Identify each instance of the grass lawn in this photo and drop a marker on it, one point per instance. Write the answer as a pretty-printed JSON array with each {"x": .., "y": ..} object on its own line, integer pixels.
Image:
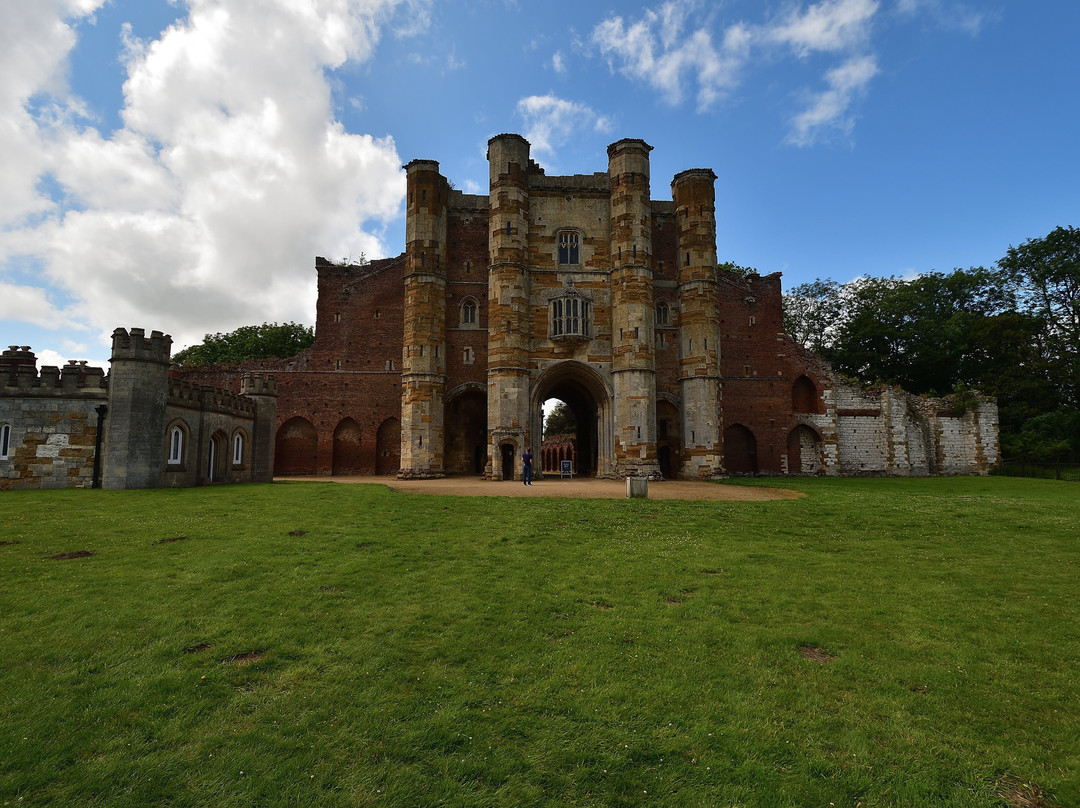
[{"x": 879, "y": 642}]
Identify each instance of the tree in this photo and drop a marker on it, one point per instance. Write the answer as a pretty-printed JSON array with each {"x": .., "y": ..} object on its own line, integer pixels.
[
  {"x": 266, "y": 341},
  {"x": 812, "y": 312},
  {"x": 1046, "y": 275},
  {"x": 560, "y": 421}
]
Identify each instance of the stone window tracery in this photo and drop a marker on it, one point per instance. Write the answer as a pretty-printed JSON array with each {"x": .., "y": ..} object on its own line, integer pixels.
[
  {"x": 468, "y": 317},
  {"x": 663, "y": 314},
  {"x": 570, "y": 316},
  {"x": 238, "y": 449},
  {"x": 568, "y": 248}
]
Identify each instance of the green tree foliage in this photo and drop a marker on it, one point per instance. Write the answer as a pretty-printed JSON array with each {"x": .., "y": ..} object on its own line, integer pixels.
[
  {"x": 560, "y": 421},
  {"x": 266, "y": 341},
  {"x": 1046, "y": 275}
]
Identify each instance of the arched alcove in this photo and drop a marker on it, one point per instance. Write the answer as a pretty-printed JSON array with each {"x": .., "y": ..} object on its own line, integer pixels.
[{"x": 295, "y": 447}]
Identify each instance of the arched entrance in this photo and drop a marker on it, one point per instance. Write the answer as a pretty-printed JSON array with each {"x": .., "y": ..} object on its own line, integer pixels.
[
  {"x": 216, "y": 457},
  {"x": 465, "y": 423},
  {"x": 347, "y": 448},
  {"x": 740, "y": 450},
  {"x": 388, "y": 447},
  {"x": 668, "y": 431},
  {"x": 294, "y": 448},
  {"x": 804, "y": 451},
  {"x": 588, "y": 396}
]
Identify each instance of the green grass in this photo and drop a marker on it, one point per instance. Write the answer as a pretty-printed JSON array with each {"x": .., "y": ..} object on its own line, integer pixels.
[{"x": 418, "y": 650}]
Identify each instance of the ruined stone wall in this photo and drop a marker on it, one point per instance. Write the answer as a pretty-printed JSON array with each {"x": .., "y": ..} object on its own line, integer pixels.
[{"x": 52, "y": 420}]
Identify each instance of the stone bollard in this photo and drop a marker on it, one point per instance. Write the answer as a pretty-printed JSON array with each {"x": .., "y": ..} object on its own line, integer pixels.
[{"x": 637, "y": 487}]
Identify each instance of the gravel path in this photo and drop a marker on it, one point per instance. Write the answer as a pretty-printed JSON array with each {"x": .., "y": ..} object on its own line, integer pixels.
[{"x": 582, "y": 488}]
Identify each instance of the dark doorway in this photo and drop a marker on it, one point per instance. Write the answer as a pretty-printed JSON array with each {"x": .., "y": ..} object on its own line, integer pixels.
[
  {"x": 466, "y": 432},
  {"x": 507, "y": 451},
  {"x": 388, "y": 447},
  {"x": 740, "y": 450}
]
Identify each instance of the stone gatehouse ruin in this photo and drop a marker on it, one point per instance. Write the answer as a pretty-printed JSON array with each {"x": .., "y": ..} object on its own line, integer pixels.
[{"x": 586, "y": 289}]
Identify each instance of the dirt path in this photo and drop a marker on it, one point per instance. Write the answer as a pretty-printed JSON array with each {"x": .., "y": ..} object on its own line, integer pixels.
[{"x": 583, "y": 488}]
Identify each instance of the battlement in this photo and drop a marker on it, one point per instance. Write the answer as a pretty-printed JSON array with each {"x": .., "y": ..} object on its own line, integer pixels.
[
  {"x": 209, "y": 399},
  {"x": 134, "y": 345},
  {"x": 19, "y": 376},
  {"x": 258, "y": 384}
]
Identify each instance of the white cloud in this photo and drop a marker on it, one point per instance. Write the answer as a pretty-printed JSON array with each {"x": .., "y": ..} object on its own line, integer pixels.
[
  {"x": 558, "y": 63},
  {"x": 205, "y": 210},
  {"x": 828, "y": 109},
  {"x": 833, "y": 25},
  {"x": 952, "y": 16},
  {"x": 656, "y": 50},
  {"x": 31, "y": 305},
  {"x": 551, "y": 122}
]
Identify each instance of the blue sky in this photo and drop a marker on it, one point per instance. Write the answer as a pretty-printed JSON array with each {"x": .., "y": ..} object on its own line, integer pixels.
[{"x": 177, "y": 165}]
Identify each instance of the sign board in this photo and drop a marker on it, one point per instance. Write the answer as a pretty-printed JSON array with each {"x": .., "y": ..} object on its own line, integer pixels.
[{"x": 566, "y": 468}]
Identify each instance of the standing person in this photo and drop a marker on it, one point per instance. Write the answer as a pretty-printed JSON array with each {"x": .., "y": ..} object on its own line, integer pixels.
[{"x": 526, "y": 462}]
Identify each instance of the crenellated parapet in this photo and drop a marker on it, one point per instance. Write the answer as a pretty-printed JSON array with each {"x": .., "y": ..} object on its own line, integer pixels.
[
  {"x": 188, "y": 395},
  {"x": 19, "y": 376},
  {"x": 135, "y": 345},
  {"x": 258, "y": 384}
]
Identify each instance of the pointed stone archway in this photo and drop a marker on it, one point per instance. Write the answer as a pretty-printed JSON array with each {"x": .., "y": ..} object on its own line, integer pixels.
[
  {"x": 589, "y": 397},
  {"x": 465, "y": 427}
]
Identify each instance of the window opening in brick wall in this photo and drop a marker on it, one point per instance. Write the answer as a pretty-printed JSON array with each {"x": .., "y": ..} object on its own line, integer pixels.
[
  {"x": 337, "y": 317},
  {"x": 746, "y": 370},
  {"x": 661, "y": 340},
  {"x": 5, "y": 440},
  {"x": 753, "y": 319},
  {"x": 508, "y": 228},
  {"x": 468, "y": 313},
  {"x": 337, "y": 364},
  {"x": 467, "y": 356},
  {"x": 377, "y": 314},
  {"x": 663, "y": 313},
  {"x": 423, "y": 196},
  {"x": 568, "y": 248},
  {"x": 421, "y": 349}
]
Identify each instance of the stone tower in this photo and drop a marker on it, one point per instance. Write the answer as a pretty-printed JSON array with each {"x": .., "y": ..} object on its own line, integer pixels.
[
  {"x": 138, "y": 393},
  {"x": 262, "y": 389},
  {"x": 423, "y": 361},
  {"x": 699, "y": 323},
  {"x": 633, "y": 361},
  {"x": 508, "y": 301}
]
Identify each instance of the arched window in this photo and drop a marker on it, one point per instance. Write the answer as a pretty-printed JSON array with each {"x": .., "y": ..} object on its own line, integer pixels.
[
  {"x": 467, "y": 311},
  {"x": 663, "y": 314},
  {"x": 5, "y": 440},
  {"x": 238, "y": 449},
  {"x": 568, "y": 248},
  {"x": 176, "y": 445}
]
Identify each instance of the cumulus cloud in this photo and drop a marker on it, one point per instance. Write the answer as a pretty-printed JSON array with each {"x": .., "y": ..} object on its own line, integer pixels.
[
  {"x": 829, "y": 109},
  {"x": 834, "y": 25},
  {"x": 204, "y": 210},
  {"x": 672, "y": 48},
  {"x": 550, "y": 121},
  {"x": 658, "y": 50}
]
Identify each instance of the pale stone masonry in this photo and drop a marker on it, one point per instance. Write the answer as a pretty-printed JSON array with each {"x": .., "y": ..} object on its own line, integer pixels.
[{"x": 136, "y": 427}]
